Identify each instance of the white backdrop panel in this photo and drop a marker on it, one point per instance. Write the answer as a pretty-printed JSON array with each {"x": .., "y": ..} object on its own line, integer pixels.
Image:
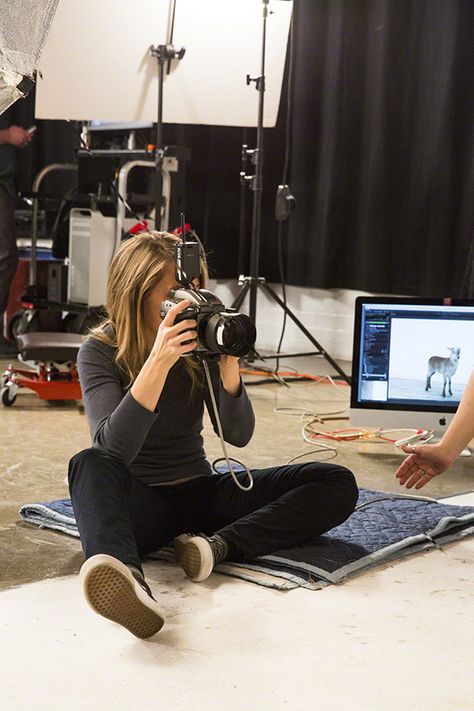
[{"x": 96, "y": 62}]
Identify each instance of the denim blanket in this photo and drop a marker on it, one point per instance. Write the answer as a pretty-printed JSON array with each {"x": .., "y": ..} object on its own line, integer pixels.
[
  {"x": 58, "y": 515},
  {"x": 381, "y": 530}
]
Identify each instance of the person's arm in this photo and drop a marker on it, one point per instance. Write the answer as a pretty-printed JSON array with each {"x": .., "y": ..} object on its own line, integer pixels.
[
  {"x": 15, "y": 136},
  {"x": 166, "y": 350},
  {"x": 429, "y": 460},
  {"x": 120, "y": 424},
  {"x": 461, "y": 429},
  {"x": 233, "y": 404},
  {"x": 230, "y": 375}
]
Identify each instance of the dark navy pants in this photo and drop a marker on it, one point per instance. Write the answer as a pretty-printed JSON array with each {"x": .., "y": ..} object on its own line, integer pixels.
[
  {"x": 119, "y": 515},
  {"x": 8, "y": 249}
]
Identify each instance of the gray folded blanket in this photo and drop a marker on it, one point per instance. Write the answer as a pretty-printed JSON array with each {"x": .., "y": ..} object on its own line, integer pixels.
[{"x": 380, "y": 530}]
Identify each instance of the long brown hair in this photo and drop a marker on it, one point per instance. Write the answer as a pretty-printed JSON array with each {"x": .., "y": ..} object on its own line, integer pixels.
[{"x": 137, "y": 267}]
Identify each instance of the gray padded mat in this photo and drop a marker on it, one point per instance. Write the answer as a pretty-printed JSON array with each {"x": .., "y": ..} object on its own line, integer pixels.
[
  {"x": 376, "y": 533},
  {"x": 379, "y": 532}
]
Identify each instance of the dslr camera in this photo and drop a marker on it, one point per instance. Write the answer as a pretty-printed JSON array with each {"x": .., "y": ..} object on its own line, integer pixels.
[{"x": 219, "y": 329}]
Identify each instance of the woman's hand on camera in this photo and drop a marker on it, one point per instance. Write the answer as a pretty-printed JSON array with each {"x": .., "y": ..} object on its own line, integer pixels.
[
  {"x": 166, "y": 350},
  {"x": 230, "y": 374},
  {"x": 172, "y": 339}
]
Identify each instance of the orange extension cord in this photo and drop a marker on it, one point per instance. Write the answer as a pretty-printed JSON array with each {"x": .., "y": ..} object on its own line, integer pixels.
[{"x": 291, "y": 374}]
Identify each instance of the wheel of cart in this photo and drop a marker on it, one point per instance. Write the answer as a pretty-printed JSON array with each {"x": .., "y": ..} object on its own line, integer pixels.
[
  {"x": 9, "y": 392},
  {"x": 26, "y": 320}
]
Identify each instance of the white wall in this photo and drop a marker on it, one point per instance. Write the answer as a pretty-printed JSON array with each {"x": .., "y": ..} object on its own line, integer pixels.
[{"x": 328, "y": 314}]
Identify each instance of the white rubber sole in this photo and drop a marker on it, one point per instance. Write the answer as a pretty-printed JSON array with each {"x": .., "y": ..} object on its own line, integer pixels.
[
  {"x": 111, "y": 591},
  {"x": 195, "y": 556}
]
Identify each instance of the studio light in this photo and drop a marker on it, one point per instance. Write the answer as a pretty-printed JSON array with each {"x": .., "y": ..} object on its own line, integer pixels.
[{"x": 24, "y": 26}]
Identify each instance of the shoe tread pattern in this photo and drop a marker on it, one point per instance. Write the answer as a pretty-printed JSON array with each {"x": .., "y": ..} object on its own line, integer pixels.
[
  {"x": 113, "y": 596},
  {"x": 190, "y": 560}
]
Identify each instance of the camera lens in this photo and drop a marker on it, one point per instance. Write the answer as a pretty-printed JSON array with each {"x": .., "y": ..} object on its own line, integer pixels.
[{"x": 233, "y": 334}]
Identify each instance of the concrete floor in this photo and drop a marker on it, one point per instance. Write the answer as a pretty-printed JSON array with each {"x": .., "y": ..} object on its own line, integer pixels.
[{"x": 37, "y": 440}]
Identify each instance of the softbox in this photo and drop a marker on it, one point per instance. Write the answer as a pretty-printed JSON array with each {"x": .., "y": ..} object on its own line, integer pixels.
[{"x": 24, "y": 25}]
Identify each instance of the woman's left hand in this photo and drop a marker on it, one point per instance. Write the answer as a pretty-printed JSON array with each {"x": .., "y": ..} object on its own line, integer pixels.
[
  {"x": 424, "y": 463},
  {"x": 230, "y": 374}
]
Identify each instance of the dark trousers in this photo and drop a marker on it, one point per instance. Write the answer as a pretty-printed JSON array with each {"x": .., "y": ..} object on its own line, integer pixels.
[
  {"x": 8, "y": 249},
  {"x": 119, "y": 515}
]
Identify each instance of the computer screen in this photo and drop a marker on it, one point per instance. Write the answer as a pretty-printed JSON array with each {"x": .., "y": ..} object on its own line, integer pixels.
[{"x": 412, "y": 359}]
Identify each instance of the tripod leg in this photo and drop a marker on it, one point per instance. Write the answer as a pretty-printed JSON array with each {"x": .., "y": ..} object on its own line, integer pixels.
[
  {"x": 275, "y": 297},
  {"x": 240, "y": 298}
]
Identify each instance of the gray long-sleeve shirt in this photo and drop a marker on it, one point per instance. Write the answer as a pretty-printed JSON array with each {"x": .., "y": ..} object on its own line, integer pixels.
[{"x": 164, "y": 446}]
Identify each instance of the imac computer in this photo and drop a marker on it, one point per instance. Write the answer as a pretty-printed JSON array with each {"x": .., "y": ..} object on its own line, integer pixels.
[{"x": 412, "y": 359}]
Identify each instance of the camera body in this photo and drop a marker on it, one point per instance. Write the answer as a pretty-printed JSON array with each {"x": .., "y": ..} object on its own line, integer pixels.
[{"x": 219, "y": 330}]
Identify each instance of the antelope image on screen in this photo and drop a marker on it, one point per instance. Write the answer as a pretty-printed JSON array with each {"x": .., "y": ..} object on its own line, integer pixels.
[{"x": 445, "y": 366}]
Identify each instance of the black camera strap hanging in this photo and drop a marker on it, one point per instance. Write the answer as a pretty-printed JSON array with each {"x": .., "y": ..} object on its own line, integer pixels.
[{"x": 285, "y": 202}]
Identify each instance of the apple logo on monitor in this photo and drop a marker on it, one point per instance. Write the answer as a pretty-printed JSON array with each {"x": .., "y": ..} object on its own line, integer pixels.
[{"x": 442, "y": 421}]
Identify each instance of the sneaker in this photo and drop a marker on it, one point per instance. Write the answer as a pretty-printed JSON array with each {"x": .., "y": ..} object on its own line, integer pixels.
[
  {"x": 199, "y": 554},
  {"x": 114, "y": 592}
]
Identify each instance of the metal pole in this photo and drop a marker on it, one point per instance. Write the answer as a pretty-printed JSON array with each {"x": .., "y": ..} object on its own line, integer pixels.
[
  {"x": 159, "y": 143},
  {"x": 34, "y": 223},
  {"x": 161, "y": 54},
  {"x": 257, "y": 181}
]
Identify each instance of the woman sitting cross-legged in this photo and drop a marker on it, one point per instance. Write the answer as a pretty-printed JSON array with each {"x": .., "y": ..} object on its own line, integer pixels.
[{"x": 146, "y": 481}]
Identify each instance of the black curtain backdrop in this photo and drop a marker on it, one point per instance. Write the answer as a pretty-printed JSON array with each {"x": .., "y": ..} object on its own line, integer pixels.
[{"x": 381, "y": 153}]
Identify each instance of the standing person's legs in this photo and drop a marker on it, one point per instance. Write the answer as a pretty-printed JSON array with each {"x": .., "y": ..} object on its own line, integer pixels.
[
  {"x": 118, "y": 517},
  {"x": 287, "y": 505},
  {"x": 8, "y": 249}
]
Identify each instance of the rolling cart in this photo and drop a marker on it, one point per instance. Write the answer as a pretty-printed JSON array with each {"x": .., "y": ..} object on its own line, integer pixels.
[
  {"x": 48, "y": 351},
  {"x": 94, "y": 238}
]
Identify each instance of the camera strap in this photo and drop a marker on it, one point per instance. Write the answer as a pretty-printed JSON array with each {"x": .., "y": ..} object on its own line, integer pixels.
[{"x": 228, "y": 459}]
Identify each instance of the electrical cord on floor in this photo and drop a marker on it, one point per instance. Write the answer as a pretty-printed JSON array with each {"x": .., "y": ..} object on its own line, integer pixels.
[
  {"x": 391, "y": 497},
  {"x": 276, "y": 379},
  {"x": 286, "y": 377},
  {"x": 302, "y": 414},
  {"x": 323, "y": 448},
  {"x": 226, "y": 457},
  {"x": 309, "y": 417},
  {"x": 247, "y": 369},
  {"x": 339, "y": 435}
]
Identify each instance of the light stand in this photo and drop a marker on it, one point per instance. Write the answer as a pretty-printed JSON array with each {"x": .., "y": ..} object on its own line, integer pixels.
[
  {"x": 162, "y": 53},
  {"x": 250, "y": 284}
]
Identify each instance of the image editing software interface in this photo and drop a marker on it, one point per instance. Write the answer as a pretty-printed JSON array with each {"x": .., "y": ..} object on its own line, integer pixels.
[{"x": 411, "y": 354}]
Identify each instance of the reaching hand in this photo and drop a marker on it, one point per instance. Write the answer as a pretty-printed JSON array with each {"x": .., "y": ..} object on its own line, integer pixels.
[
  {"x": 18, "y": 136},
  {"x": 173, "y": 340},
  {"x": 424, "y": 463}
]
